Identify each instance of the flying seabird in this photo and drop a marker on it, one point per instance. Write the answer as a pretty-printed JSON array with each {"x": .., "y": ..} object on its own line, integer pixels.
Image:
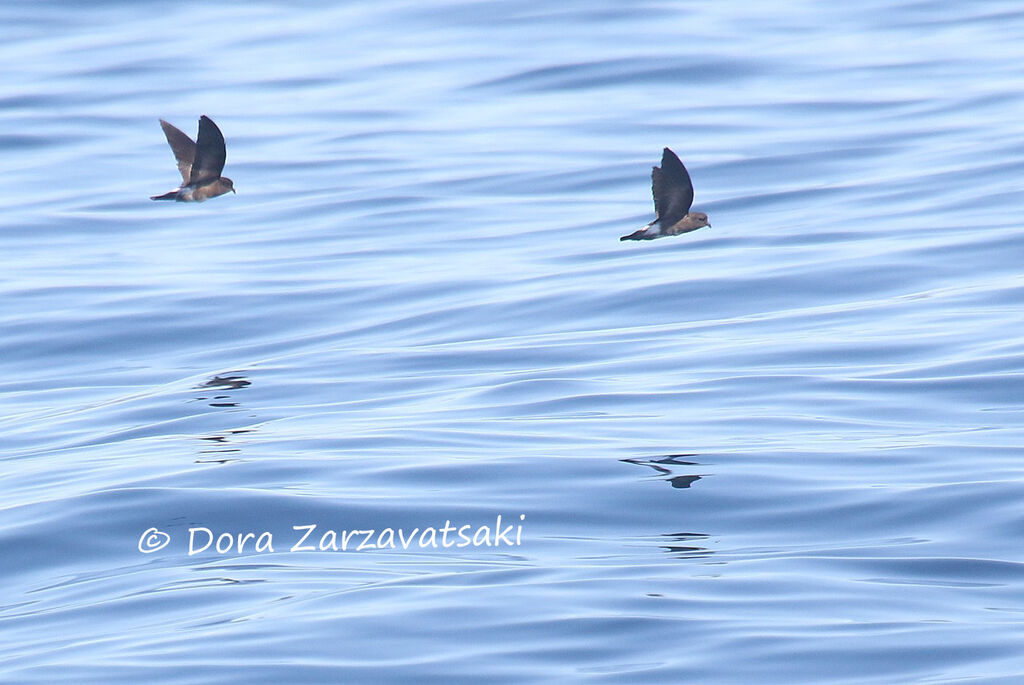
[
  {"x": 673, "y": 195},
  {"x": 200, "y": 164}
]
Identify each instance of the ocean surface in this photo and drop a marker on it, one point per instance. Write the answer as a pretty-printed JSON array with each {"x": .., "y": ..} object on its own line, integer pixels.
[{"x": 405, "y": 409}]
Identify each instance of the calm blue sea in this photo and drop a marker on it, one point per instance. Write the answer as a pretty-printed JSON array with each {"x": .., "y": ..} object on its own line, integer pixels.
[{"x": 268, "y": 438}]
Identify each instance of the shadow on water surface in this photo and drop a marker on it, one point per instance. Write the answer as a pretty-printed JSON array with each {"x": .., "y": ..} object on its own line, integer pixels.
[
  {"x": 222, "y": 443},
  {"x": 663, "y": 466},
  {"x": 226, "y": 382},
  {"x": 675, "y": 544}
]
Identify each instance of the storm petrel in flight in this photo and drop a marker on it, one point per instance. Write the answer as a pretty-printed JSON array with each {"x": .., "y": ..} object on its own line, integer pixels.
[
  {"x": 673, "y": 195},
  {"x": 200, "y": 164}
]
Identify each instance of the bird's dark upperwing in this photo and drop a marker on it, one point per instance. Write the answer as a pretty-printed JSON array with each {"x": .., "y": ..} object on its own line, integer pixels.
[
  {"x": 182, "y": 146},
  {"x": 210, "y": 152},
  {"x": 673, "y": 190}
]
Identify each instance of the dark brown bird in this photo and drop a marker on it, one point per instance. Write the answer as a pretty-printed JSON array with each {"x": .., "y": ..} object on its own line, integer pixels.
[
  {"x": 200, "y": 164},
  {"x": 673, "y": 195}
]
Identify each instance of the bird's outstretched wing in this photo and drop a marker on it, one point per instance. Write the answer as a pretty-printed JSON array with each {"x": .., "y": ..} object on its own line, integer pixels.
[
  {"x": 672, "y": 188},
  {"x": 182, "y": 146},
  {"x": 210, "y": 152}
]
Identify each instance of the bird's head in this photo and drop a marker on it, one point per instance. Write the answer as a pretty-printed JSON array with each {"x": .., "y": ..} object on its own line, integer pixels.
[{"x": 700, "y": 219}]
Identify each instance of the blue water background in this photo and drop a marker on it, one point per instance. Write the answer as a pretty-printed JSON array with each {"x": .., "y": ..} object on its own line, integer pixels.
[{"x": 783, "y": 449}]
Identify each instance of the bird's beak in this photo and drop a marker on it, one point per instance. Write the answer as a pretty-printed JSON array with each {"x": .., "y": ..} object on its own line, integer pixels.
[{"x": 233, "y": 191}]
